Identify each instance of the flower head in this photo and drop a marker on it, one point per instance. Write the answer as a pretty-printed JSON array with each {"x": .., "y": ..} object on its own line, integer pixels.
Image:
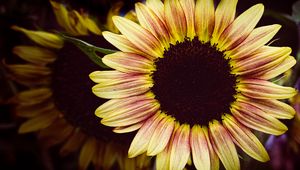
[
  {"x": 193, "y": 80},
  {"x": 50, "y": 105}
]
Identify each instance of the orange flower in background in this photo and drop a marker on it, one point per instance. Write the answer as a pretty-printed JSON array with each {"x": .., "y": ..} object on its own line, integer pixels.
[
  {"x": 194, "y": 80},
  {"x": 53, "y": 71}
]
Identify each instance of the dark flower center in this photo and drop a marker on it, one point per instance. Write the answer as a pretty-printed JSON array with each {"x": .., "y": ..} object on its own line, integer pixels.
[
  {"x": 72, "y": 90},
  {"x": 193, "y": 82}
]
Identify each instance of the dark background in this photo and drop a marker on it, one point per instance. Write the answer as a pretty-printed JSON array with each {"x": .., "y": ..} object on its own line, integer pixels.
[{"x": 23, "y": 151}]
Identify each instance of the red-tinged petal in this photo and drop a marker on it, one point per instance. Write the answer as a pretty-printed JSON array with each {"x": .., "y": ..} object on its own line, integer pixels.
[
  {"x": 224, "y": 15},
  {"x": 175, "y": 20},
  {"x": 119, "y": 106},
  {"x": 262, "y": 59},
  {"x": 123, "y": 44},
  {"x": 272, "y": 72},
  {"x": 139, "y": 36},
  {"x": 262, "y": 89},
  {"x": 223, "y": 145},
  {"x": 128, "y": 63},
  {"x": 131, "y": 117},
  {"x": 188, "y": 7},
  {"x": 200, "y": 148},
  {"x": 158, "y": 7},
  {"x": 180, "y": 151},
  {"x": 161, "y": 136},
  {"x": 214, "y": 159},
  {"x": 245, "y": 139},
  {"x": 240, "y": 28},
  {"x": 272, "y": 107},
  {"x": 256, "y": 39},
  {"x": 120, "y": 88},
  {"x": 149, "y": 20},
  {"x": 257, "y": 119},
  {"x": 204, "y": 19},
  {"x": 141, "y": 140}
]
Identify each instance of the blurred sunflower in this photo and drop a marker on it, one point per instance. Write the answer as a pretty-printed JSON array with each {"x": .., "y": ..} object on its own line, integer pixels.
[
  {"x": 194, "y": 81},
  {"x": 58, "y": 103}
]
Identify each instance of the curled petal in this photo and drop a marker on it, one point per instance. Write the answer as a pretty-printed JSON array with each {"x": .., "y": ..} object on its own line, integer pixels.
[
  {"x": 256, "y": 39},
  {"x": 272, "y": 72},
  {"x": 262, "y": 89}
]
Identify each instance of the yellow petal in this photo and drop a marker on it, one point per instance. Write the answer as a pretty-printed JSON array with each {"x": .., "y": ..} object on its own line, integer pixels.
[
  {"x": 180, "y": 151},
  {"x": 45, "y": 39},
  {"x": 257, "y": 119},
  {"x": 38, "y": 123},
  {"x": 272, "y": 107},
  {"x": 199, "y": 147},
  {"x": 126, "y": 129},
  {"x": 272, "y": 72},
  {"x": 129, "y": 63},
  {"x": 240, "y": 28},
  {"x": 132, "y": 86},
  {"x": 140, "y": 37},
  {"x": 149, "y": 20},
  {"x": 35, "y": 55},
  {"x": 223, "y": 145},
  {"x": 204, "y": 19},
  {"x": 161, "y": 136},
  {"x": 262, "y": 89},
  {"x": 158, "y": 7},
  {"x": 123, "y": 44},
  {"x": 33, "y": 96},
  {"x": 188, "y": 7},
  {"x": 141, "y": 140},
  {"x": 245, "y": 139},
  {"x": 175, "y": 20},
  {"x": 87, "y": 153},
  {"x": 29, "y": 111},
  {"x": 224, "y": 15},
  {"x": 256, "y": 39}
]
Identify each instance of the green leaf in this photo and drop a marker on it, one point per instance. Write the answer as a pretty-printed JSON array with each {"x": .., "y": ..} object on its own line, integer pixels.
[{"x": 89, "y": 49}]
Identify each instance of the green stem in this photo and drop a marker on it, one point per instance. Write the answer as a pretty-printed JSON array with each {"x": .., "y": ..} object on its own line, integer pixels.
[{"x": 89, "y": 49}]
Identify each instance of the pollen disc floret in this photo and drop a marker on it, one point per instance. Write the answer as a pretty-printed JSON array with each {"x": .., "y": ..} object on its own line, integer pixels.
[
  {"x": 193, "y": 80},
  {"x": 193, "y": 83}
]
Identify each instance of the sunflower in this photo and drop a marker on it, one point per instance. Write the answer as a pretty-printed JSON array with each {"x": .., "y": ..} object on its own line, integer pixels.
[
  {"x": 49, "y": 104},
  {"x": 194, "y": 81}
]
